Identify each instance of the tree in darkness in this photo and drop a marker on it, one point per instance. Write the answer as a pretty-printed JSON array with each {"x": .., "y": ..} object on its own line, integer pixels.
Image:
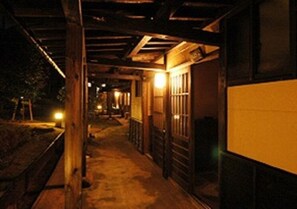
[{"x": 23, "y": 71}]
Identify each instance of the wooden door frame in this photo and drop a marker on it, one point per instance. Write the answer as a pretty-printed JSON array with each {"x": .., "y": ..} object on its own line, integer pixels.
[{"x": 189, "y": 122}]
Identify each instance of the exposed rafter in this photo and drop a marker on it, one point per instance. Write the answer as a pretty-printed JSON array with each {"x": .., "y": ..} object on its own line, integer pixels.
[
  {"x": 123, "y": 1},
  {"x": 126, "y": 64},
  {"x": 137, "y": 46},
  {"x": 167, "y": 10},
  {"x": 121, "y": 24},
  {"x": 35, "y": 12},
  {"x": 135, "y": 30},
  {"x": 206, "y": 4},
  {"x": 114, "y": 76}
]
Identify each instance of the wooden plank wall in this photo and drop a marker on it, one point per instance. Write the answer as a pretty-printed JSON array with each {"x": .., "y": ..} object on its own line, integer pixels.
[
  {"x": 180, "y": 162},
  {"x": 135, "y": 134},
  {"x": 249, "y": 185},
  {"x": 158, "y": 146}
]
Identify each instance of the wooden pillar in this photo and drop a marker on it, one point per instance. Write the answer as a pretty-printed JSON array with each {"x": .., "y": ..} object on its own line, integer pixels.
[
  {"x": 85, "y": 110},
  {"x": 74, "y": 116},
  {"x": 85, "y": 121},
  {"x": 167, "y": 128},
  {"x": 145, "y": 120}
]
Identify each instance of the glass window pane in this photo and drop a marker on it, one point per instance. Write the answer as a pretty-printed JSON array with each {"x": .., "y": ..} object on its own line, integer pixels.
[{"x": 274, "y": 36}]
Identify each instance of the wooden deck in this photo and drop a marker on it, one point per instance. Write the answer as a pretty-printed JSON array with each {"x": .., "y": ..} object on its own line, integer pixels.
[{"x": 121, "y": 178}]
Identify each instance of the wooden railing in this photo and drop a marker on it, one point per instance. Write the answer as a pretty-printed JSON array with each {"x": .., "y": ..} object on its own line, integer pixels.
[{"x": 20, "y": 191}]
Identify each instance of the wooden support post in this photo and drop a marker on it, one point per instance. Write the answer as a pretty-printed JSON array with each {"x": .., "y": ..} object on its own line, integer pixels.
[
  {"x": 74, "y": 116},
  {"x": 30, "y": 109},
  {"x": 85, "y": 121},
  {"x": 145, "y": 119},
  {"x": 85, "y": 109},
  {"x": 167, "y": 127}
]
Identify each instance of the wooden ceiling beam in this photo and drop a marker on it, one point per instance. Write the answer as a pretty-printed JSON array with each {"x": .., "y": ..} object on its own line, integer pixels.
[
  {"x": 49, "y": 25},
  {"x": 167, "y": 10},
  {"x": 150, "y": 28},
  {"x": 206, "y": 4},
  {"x": 107, "y": 37},
  {"x": 184, "y": 20},
  {"x": 122, "y": 1},
  {"x": 37, "y": 12},
  {"x": 136, "y": 47},
  {"x": 105, "y": 44},
  {"x": 126, "y": 64},
  {"x": 93, "y": 74},
  {"x": 106, "y": 50},
  {"x": 162, "y": 43}
]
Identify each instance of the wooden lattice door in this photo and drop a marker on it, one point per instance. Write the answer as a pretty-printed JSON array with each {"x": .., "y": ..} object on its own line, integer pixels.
[{"x": 180, "y": 162}]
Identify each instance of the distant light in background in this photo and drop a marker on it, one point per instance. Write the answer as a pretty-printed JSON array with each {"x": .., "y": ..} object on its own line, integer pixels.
[
  {"x": 99, "y": 107},
  {"x": 58, "y": 115},
  {"x": 176, "y": 117},
  {"x": 59, "y": 122},
  {"x": 103, "y": 84},
  {"x": 160, "y": 80},
  {"x": 89, "y": 84},
  {"x": 117, "y": 93}
]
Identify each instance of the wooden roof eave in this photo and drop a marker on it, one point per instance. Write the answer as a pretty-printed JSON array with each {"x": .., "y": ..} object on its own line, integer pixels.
[{"x": 31, "y": 39}]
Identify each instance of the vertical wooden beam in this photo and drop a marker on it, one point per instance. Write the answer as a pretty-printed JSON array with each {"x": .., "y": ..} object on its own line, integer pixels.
[
  {"x": 145, "y": 119},
  {"x": 191, "y": 134},
  {"x": 85, "y": 110},
  {"x": 167, "y": 123},
  {"x": 167, "y": 127},
  {"x": 74, "y": 115},
  {"x": 85, "y": 120}
]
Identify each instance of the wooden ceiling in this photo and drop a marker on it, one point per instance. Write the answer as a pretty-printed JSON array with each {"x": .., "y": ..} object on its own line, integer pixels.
[{"x": 121, "y": 36}]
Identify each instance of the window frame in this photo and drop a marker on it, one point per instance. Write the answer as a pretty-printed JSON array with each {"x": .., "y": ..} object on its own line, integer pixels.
[{"x": 254, "y": 76}]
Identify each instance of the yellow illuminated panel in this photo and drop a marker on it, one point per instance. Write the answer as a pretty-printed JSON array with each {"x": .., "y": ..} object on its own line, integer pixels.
[
  {"x": 262, "y": 123},
  {"x": 136, "y": 107}
]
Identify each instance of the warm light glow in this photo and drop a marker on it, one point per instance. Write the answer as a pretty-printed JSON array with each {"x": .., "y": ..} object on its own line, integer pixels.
[
  {"x": 103, "y": 84},
  {"x": 160, "y": 80},
  {"x": 89, "y": 84},
  {"x": 117, "y": 93},
  {"x": 176, "y": 117},
  {"x": 99, "y": 107},
  {"x": 58, "y": 115}
]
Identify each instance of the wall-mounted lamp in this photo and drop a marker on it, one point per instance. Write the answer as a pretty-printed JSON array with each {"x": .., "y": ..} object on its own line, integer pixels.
[{"x": 160, "y": 80}]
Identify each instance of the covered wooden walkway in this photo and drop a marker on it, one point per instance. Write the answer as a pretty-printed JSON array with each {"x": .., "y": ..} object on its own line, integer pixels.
[{"x": 121, "y": 178}]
